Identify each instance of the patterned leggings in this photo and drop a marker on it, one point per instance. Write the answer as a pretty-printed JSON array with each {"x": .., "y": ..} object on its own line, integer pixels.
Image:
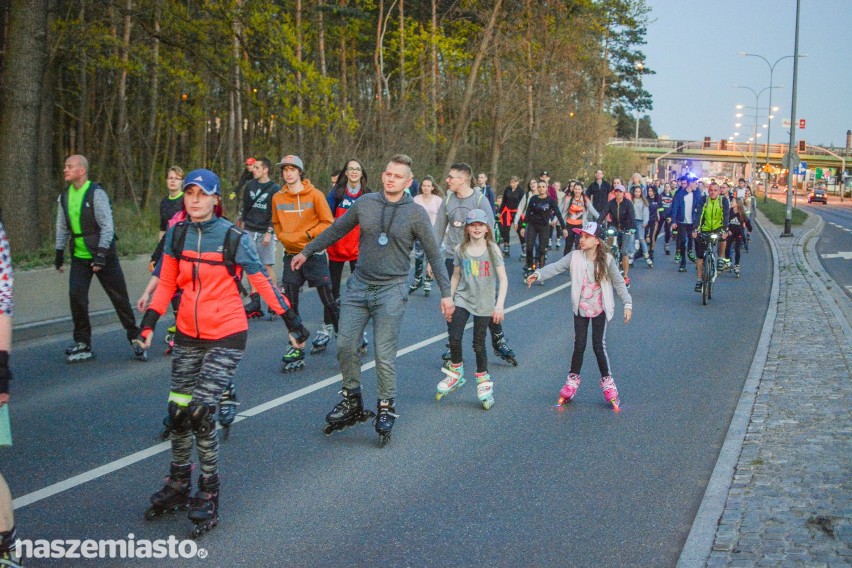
[{"x": 202, "y": 373}]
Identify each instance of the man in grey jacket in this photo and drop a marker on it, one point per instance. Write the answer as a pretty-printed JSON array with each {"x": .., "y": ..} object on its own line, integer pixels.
[
  {"x": 390, "y": 221},
  {"x": 84, "y": 217}
]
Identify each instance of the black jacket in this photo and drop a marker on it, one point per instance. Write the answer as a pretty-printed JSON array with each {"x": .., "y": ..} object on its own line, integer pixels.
[{"x": 622, "y": 215}]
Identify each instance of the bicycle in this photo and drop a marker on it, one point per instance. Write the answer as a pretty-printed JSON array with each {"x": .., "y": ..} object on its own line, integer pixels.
[
  {"x": 708, "y": 273},
  {"x": 614, "y": 238}
]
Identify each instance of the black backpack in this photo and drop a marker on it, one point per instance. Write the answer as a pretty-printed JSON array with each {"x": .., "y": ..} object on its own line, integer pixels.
[{"x": 229, "y": 252}]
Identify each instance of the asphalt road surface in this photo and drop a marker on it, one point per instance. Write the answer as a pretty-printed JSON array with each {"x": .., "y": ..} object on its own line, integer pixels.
[
  {"x": 525, "y": 483},
  {"x": 835, "y": 242}
]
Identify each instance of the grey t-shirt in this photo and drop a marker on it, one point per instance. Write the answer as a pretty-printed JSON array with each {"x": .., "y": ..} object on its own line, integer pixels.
[
  {"x": 477, "y": 289},
  {"x": 452, "y": 215}
]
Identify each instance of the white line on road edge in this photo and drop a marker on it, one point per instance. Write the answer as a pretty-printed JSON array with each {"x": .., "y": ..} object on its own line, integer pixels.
[{"x": 126, "y": 461}]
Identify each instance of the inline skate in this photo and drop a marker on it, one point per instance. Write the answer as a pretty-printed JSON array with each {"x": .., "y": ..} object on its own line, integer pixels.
[
  {"x": 453, "y": 381},
  {"x": 348, "y": 412},
  {"x": 174, "y": 496},
  {"x": 427, "y": 286},
  {"x": 502, "y": 349},
  {"x": 138, "y": 351},
  {"x": 8, "y": 555},
  {"x": 170, "y": 339},
  {"x": 569, "y": 389},
  {"x": 204, "y": 506},
  {"x": 484, "y": 390},
  {"x": 385, "y": 416},
  {"x": 610, "y": 393},
  {"x": 322, "y": 338},
  {"x": 253, "y": 308},
  {"x": 293, "y": 360},
  {"x": 228, "y": 409}
]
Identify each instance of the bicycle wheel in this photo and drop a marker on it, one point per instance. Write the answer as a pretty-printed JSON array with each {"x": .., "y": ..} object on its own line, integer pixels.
[{"x": 706, "y": 279}]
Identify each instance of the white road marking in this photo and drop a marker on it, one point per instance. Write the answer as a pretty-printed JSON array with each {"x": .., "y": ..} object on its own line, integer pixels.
[
  {"x": 844, "y": 254},
  {"x": 128, "y": 460}
]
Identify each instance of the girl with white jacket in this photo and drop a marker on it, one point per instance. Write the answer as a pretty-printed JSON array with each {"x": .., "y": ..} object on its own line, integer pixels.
[{"x": 594, "y": 275}]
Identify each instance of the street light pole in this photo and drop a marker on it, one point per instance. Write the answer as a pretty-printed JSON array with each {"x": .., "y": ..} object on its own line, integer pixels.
[
  {"x": 756, "y": 107},
  {"x": 639, "y": 67},
  {"x": 769, "y": 113},
  {"x": 788, "y": 218}
]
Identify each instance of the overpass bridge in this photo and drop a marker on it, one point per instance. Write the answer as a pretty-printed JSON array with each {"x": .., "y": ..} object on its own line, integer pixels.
[{"x": 734, "y": 152}]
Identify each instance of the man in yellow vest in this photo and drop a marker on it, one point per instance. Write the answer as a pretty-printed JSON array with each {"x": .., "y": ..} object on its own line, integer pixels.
[{"x": 84, "y": 217}]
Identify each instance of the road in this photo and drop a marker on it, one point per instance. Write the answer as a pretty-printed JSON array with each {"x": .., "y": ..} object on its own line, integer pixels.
[
  {"x": 835, "y": 241},
  {"x": 524, "y": 483}
]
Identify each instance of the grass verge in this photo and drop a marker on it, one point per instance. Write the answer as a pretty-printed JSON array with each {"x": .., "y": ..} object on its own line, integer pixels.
[
  {"x": 137, "y": 234},
  {"x": 776, "y": 212}
]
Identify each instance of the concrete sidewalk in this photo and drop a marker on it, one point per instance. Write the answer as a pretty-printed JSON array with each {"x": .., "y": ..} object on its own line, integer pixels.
[{"x": 780, "y": 492}]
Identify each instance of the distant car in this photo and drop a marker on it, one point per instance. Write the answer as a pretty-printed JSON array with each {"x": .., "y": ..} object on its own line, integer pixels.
[{"x": 817, "y": 195}]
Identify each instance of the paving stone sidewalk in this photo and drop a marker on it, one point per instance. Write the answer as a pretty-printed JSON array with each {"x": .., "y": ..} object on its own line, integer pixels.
[{"x": 789, "y": 502}]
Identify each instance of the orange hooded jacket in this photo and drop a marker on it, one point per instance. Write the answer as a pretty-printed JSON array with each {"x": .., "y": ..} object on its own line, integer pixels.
[{"x": 298, "y": 218}]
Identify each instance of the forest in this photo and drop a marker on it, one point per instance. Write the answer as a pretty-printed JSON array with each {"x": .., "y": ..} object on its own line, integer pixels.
[{"x": 508, "y": 86}]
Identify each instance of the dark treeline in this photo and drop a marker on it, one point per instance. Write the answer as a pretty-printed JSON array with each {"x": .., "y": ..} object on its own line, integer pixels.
[{"x": 139, "y": 85}]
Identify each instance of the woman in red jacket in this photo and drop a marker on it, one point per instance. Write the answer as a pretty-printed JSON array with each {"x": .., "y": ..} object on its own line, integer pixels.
[
  {"x": 202, "y": 256},
  {"x": 350, "y": 185}
]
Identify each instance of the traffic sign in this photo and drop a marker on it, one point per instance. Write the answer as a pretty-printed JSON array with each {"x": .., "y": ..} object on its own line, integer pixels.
[
  {"x": 790, "y": 158},
  {"x": 801, "y": 123},
  {"x": 801, "y": 169}
]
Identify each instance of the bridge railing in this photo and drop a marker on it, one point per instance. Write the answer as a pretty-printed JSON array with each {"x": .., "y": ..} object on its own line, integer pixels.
[{"x": 749, "y": 148}]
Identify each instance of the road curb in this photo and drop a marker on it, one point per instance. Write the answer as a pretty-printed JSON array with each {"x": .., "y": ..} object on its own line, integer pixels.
[{"x": 699, "y": 543}]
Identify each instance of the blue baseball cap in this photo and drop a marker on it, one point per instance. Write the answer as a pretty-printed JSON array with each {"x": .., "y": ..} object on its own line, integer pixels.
[
  {"x": 205, "y": 179},
  {"x": 476, "y": 216}
]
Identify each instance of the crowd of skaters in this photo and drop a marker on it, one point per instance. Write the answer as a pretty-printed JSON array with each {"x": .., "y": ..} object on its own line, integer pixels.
[{"x": 453, "y": 234}]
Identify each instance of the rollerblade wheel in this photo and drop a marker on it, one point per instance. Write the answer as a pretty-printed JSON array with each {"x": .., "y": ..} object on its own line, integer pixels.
[
  {"x": 201, "y": 529},
  {"x": 439, "y": 395},
  {"x": 616, "y": 405},
  {"x": 328, "y": 429}
]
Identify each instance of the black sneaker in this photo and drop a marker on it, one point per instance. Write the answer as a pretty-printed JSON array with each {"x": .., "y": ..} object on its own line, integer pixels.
[
  {"x": 78, "y": 353},
  {"x": 698, "y": 286}
]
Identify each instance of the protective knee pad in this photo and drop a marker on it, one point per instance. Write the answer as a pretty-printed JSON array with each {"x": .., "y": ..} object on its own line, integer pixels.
[
  {"x": 178, "y": 418},
  {"x": 292, "y": 293},
  {"x": 202, "y": 417}
]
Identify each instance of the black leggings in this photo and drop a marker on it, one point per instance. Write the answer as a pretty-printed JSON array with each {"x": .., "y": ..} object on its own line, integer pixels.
[
  {"x": 329, "y": 304},
  {"x": 456, "y": 330},
  {"x": 581, "y": 331},
  {"x": 335, "y": 269},
  {"x": 736, "y": 238},
  {"x": 570, "y": 240},
  {"x": 541, "y": 232}
]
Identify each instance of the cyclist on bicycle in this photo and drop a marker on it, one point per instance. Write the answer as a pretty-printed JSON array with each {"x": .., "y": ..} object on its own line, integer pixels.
[
  {"x": 712, "y": 217},
  {"x": 622, "y": 217}
]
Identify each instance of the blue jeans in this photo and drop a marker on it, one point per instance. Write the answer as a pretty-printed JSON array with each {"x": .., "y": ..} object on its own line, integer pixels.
[
  {"x": 385, "y": 305},
  {"x": 640, "y": 234}
]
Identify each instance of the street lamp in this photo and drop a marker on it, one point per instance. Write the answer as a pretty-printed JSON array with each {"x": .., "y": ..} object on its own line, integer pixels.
[
  {"x": 771, "y": 108},
  {"x": 639, "y": 67},
  {"x": 755, "y": 108}
]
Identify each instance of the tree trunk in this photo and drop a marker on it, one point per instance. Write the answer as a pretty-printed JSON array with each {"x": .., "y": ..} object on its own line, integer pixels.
[
  {"x": 529, "y": 85},
  {"x": 122, "y": 125},
  {"x": 300, "y": 103},
  {"x": 434, "y": 80},
  {"x": 152, "y": 138},
  {"x": 462, "y": 120},
  {"x": 24, "y": 65},
  {"x": 401, "y": 50},
  {"x": 45, "y": 179},
  {"x": 499, "y": 109},
  {"x": 83, "y": 112},
  {"x": 238, "y": 100}
]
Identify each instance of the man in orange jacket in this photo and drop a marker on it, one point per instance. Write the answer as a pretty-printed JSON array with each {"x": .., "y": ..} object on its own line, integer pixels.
[{"x": 300, "y": 213}]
